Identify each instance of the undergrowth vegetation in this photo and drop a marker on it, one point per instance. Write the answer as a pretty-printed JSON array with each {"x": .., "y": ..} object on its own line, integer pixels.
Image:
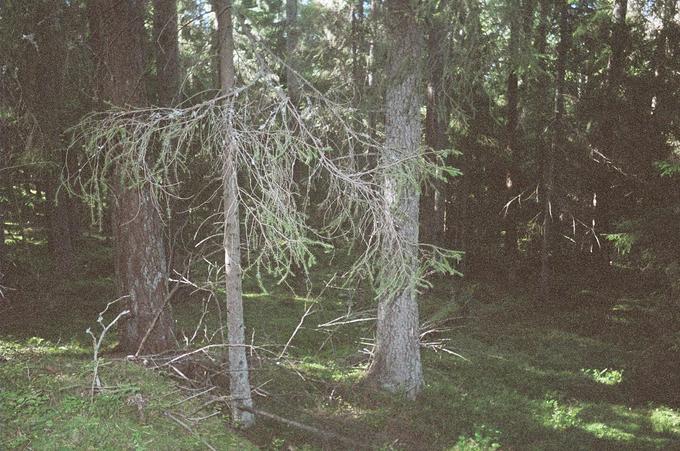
[{"x": 597, "y": 375}]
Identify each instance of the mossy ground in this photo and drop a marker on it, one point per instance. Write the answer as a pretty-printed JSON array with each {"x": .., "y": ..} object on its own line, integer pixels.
[{"x": 601, "y": 374}]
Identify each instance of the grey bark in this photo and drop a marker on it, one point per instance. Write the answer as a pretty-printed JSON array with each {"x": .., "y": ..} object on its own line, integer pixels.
[
  {"x": 238, "y": 364},
  {"x": 396, "y": 366}
]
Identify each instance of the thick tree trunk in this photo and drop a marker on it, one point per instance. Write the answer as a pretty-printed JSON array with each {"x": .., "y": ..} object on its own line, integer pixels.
[
  {"x": 238, "y": 363},
  {"x": 396, "y": 365},
  {"x": 143, "y": 254},
  {"x": 139, "y": 253},
  {"x": 547, "y": 249}
]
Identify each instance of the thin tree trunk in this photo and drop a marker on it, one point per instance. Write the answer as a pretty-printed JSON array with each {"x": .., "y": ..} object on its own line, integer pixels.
[
  {"x": 238, "y": 362},
  {"x": 139, "y": 253},
  {"x": 396, "y": 365},
  {"x": 547, "y": 249},
  {"x": 511, "y": 124}
]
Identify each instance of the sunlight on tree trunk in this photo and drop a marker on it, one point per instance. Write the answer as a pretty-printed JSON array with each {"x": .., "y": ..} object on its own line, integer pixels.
[
  {"x": 238, "y": 362},
  {"x": 396, "y": 366}
]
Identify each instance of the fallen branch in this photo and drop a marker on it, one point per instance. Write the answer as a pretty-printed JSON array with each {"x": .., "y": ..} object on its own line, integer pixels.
[
  {"x": 296, "y": 424},
  {"x": 189, "y": 429},
  {"x": 302, "y": 320}
]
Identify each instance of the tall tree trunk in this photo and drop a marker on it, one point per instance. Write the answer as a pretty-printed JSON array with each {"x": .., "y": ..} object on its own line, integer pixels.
[
  {"x": 547, "y": 249},
  {"x": 396, "y": 365},
  {"x": 238, "y": 362},
  {"x": 139, "y": 253},
  {"x": 436, "y": 119},
  {"x": 511, "y": 130}
]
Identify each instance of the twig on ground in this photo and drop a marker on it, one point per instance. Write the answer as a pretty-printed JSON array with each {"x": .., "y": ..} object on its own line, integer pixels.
[
  {"x": 97, "y": 342},
  {"x": 189, "y": 429}
]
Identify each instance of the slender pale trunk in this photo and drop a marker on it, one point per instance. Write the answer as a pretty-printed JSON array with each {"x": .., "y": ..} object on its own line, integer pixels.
[
  {"x": 547, "y": 249},
  {"x": 396, "y": 366},
  {"x": 238, "y": 363}
]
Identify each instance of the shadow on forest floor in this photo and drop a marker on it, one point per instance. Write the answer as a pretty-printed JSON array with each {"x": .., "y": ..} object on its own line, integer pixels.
[{"x": 603, "y": 375}]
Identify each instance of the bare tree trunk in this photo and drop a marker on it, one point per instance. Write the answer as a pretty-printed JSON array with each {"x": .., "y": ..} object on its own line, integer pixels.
[
  {"x": 547, "y": 249},
  {"x": 396, "y": 366},
  {"x": 139, "y": 253},
  {"x": 238, "y": 362}
]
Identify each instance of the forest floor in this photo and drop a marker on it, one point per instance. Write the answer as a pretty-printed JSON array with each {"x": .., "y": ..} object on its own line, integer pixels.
[{"x": 602, "y": 372}]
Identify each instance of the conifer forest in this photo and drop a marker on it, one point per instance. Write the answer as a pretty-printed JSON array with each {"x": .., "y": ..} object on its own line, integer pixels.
[{"x": 340, "y": 225}]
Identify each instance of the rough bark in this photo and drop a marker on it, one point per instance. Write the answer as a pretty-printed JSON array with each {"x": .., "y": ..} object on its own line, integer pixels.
[
  {"x": 238, "y": 364},
  {"x": 396, "y": 365},
  {"x": 139, "y": 254},
  {"x": 549, "y": 157}
]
